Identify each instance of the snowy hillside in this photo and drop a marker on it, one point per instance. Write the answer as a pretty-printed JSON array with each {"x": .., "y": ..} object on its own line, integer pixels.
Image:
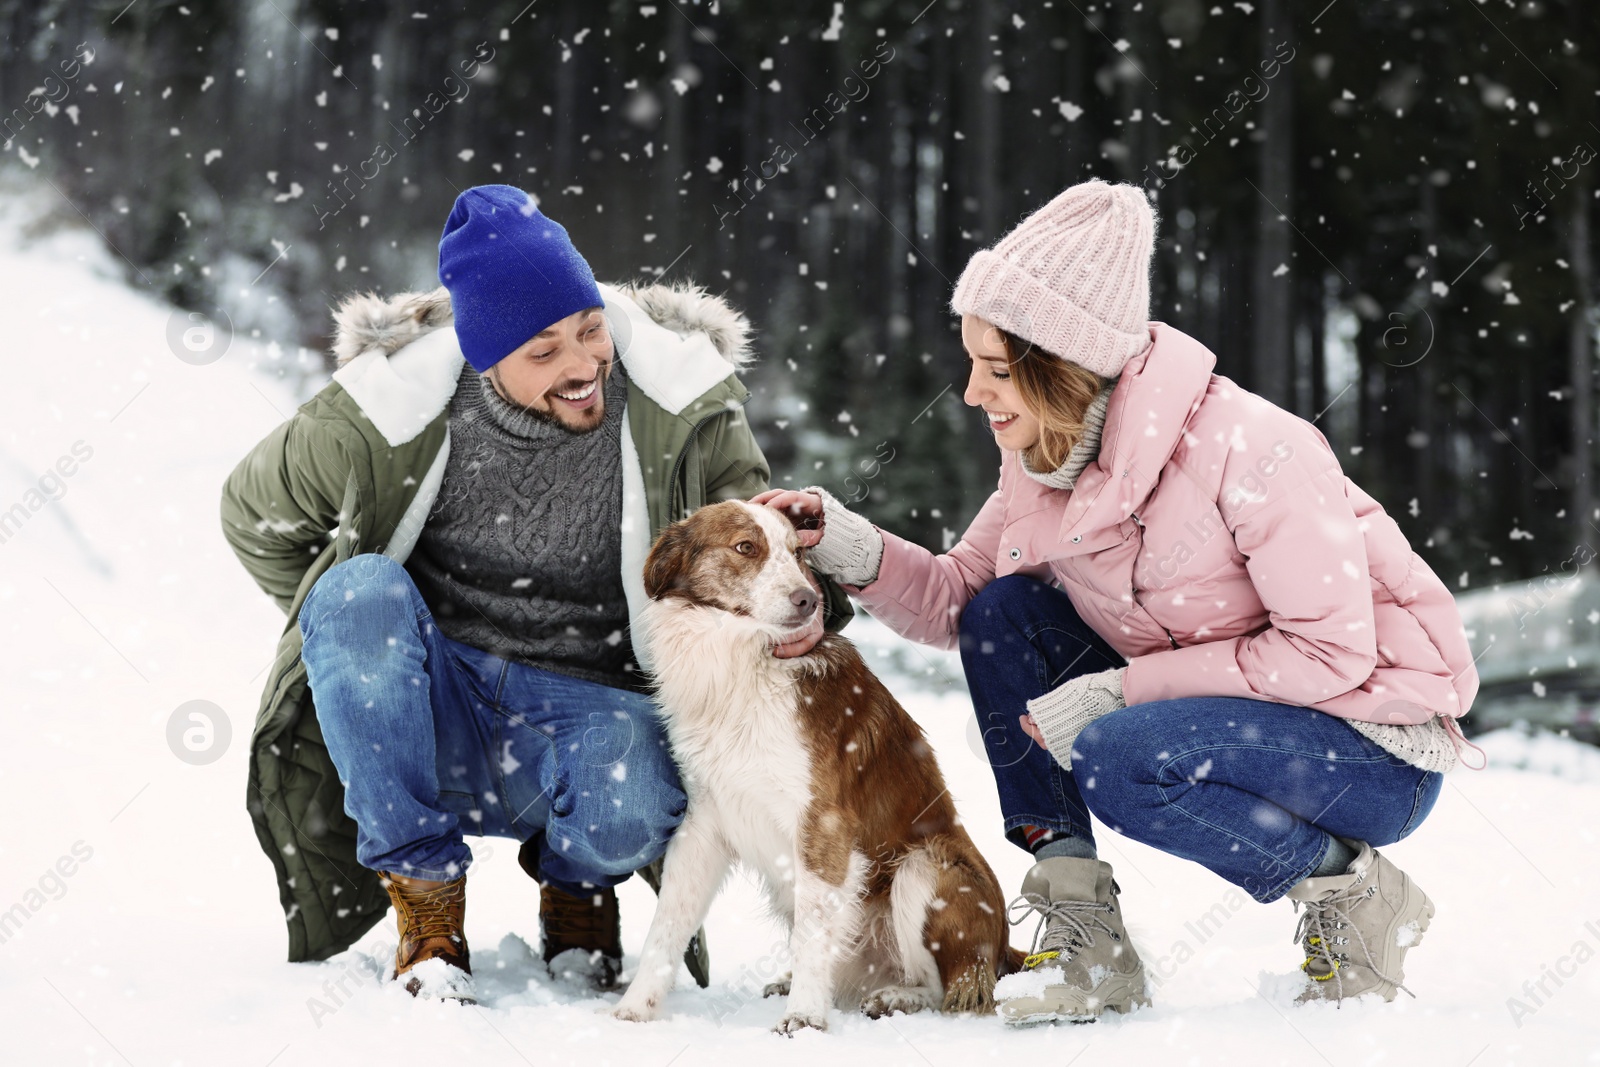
[{"x": 139, "y": 921}]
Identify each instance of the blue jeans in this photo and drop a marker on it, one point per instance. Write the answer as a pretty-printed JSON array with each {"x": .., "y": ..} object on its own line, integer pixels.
[
  {"x": 1249, "y": 789},
  {"x": 433, "y": 738}
]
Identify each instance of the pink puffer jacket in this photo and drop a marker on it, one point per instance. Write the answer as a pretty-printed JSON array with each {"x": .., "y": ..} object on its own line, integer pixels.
[{"x": 1217, "y": 545}]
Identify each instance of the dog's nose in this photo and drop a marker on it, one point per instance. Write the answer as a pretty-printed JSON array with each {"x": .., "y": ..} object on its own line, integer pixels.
[{"x": 804, "y": 600}]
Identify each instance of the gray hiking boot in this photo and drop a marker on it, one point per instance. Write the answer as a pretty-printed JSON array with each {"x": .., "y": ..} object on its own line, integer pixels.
[
  {"x": 1357, "y": 926},
  {"x": 1082, "y": 961}
]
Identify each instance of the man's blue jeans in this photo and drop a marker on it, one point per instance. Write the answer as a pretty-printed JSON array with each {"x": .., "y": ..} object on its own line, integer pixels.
[
  {"x": 433, "y": 738},
  {"x": 1249, "y": 789}
]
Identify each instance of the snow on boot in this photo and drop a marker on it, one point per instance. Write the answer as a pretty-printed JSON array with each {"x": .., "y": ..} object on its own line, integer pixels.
[
  {"x": 432, "y": 951},
  {"x": 1357, "y": 926},
  {"x": 1082, "y": 962},
  {"x": 582, "y": 935}
]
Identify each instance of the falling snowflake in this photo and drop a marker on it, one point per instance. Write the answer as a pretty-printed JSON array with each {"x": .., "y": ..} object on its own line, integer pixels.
[{"x": 835, "y": 24}]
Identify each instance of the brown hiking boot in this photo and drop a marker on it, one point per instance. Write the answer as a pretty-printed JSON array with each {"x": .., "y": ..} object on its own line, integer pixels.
[
  {"x": 586, "y": 932},
  {"x": 697, "y": 956},
  {"x": 431, "y": 917}
]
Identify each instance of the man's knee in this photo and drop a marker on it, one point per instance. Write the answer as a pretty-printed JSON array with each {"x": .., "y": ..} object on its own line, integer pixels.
[
  {"x": 621, "y": 831},
  {"x": 359, "y": 588}
]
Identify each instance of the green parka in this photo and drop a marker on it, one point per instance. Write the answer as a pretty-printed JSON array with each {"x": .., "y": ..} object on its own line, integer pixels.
[{"x": 357, "y": 469}]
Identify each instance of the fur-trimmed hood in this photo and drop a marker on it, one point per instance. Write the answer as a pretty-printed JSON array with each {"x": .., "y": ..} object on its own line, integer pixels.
[
  {"x": 399, "y": 358},
  {"x": 364, "y": 322}
]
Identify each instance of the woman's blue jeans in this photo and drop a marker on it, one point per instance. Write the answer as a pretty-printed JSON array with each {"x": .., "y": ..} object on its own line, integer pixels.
[
  {"x": 433, "y": 738},
  {"x": 1249, "y": 789}
]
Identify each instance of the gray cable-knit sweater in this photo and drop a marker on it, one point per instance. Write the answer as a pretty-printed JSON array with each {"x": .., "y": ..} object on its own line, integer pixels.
[{"x": 522, "y": 553}]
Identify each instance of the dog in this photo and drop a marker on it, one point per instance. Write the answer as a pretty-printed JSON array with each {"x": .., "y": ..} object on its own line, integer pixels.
[{"x": 807, "y": 771}]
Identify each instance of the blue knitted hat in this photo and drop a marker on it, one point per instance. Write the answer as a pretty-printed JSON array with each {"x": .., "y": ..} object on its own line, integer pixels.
[{"x": 511, "y": 272}]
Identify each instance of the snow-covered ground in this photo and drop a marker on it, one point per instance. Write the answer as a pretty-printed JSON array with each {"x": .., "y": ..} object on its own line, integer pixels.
[{"x": 139, "y": 921}]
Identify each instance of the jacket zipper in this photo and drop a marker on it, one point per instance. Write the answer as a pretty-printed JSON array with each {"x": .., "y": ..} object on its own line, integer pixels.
[{"x": 1134, "y": 590}]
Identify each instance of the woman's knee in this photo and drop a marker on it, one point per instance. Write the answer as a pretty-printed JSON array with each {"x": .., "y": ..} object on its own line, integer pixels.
[
  {"x": 1116, "y": 768},
  {"x": 1116, "y": 737},
  {"x": 997, "y": 610}
]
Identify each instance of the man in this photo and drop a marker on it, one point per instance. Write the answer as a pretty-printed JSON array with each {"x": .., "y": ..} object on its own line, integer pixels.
[{"x": 457, "y": 527}]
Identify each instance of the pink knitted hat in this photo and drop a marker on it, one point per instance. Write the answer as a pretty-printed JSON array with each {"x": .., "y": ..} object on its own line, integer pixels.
[{"x": 1072, "y": 278}]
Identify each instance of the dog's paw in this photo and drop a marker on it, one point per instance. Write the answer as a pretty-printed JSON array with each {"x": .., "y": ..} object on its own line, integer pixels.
[
  {"x": 780, "y": 988},
  {"x": 633, "y": 1013},
  {"x": 796, "y": 1021},
  {"x": 893, "y": 999}
]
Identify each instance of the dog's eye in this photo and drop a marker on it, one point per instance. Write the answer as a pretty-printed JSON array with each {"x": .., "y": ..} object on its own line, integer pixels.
[{"x": 745, "y": 548}]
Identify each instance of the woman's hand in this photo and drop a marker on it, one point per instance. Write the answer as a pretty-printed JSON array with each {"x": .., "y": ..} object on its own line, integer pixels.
[
  {"x": 1056, "y": 718},
  {"x": 1031, "y": 728},
  {"x": 803, "y": 509}
]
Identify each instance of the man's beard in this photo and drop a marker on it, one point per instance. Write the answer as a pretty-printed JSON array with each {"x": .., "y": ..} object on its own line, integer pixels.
[{"x": 549, "y": 417}]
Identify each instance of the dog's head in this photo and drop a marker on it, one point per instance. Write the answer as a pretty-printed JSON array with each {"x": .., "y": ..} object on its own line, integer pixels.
[{"x": 740, "y": 558}]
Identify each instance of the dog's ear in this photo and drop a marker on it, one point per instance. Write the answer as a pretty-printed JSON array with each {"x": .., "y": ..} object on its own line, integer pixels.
[{"x": 668, "y": 562}]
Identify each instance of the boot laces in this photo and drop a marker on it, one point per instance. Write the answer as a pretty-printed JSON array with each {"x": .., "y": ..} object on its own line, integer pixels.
[
  {"x": 1319, "y": 932},
  {"x": 430, "y": 913},
  {"x": 1065, "y": 928}
]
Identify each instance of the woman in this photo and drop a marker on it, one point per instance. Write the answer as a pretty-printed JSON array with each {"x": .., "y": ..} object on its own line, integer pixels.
[{"x": 1176, "y": 614}]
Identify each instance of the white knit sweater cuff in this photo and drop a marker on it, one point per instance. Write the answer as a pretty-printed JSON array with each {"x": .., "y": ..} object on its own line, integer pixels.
[
  {"x": 1062, "y": 713},
  {"x": 851, "y": 547}
]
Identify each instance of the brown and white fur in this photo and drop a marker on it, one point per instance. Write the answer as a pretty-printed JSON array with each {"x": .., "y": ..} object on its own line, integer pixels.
[{"x": 807, "y": 771}]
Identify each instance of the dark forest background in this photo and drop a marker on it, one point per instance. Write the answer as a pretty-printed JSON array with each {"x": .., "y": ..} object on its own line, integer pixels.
[{"x": 1382, "y": 220}]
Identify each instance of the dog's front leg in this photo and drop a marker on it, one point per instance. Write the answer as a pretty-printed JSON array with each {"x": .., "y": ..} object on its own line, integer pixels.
[
  {"x": 827, "y": 918},
  {"x": 692, "y": 872}
]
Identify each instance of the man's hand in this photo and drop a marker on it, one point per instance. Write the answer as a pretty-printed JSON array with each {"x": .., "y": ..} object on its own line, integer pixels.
[
  {"x": 803, "y": 644},
  {"x": 814, "y": 629},
  {"x": 803, "y": 509}
]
